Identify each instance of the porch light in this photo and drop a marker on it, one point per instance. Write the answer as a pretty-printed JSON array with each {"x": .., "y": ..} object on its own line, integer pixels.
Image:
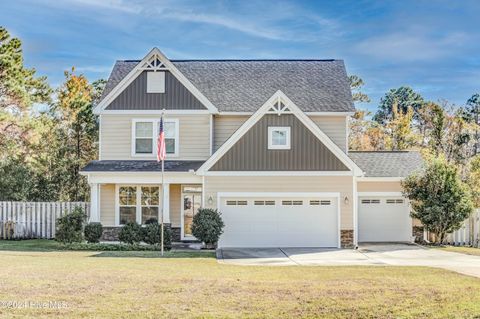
[
  {"x": 210, "y": 200},
  {"x": 345, "y": 200}
]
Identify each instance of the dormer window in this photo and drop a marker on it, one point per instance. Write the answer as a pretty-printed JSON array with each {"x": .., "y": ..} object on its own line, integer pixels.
[
  {"x": 155, "y": 82},
  {"x": 279, "y": 138}
]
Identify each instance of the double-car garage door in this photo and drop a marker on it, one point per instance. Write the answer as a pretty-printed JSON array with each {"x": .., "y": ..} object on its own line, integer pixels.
[{"x": 277, "y": 220}]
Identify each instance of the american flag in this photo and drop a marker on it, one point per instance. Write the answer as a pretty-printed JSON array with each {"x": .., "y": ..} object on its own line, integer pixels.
[{"x": 161, "y": 151}]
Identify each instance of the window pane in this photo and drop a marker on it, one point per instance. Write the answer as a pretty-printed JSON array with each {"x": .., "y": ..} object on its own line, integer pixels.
[
  {"x": 149, "y": 213},
  {"x": 192, "y": 189},
  {"x": 127, "y": 215},
  {"x": 169, "y": 129},
  {"x": 144, "y": 129},
  {"x": 128, "y": 195},
  {"x": 170, "y": 145},
  {"x": 143, "y": 146},
  {"x": 279, "y": 138},
  {"x": 149, "y": 196}
]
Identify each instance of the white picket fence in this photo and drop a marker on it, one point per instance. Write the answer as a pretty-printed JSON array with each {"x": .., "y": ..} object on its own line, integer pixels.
[
  {"x": 34, "y": 219},
  {"x": 468, "y": 234}
]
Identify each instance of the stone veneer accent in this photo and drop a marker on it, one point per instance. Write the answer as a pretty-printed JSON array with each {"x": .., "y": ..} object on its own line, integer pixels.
[
  {"x": 176, "y": 231},
  {"x": 417, "y": 231},
  {"x": 346, "y": 238},
  {"x": 111, "y": 233}
]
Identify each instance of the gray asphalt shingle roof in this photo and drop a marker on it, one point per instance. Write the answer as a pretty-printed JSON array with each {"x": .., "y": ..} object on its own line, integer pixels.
[
  {"x": 141, "y": 166},
  {"x": 387, "y": 164},
  {"x": 244, "y": 85}
]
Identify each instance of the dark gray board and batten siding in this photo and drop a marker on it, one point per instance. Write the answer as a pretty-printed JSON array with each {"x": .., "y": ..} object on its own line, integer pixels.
[
  {"x": 251, "y": 153},
  {"x": 176, "y": 96}
]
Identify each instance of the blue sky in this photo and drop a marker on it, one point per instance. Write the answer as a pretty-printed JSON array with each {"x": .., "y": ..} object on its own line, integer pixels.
[{"x": 433, "y": 46}]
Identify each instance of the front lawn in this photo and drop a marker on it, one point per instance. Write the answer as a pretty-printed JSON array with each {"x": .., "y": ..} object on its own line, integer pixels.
[
  {"x": 461, "y": 249},
  {"x": 129, "y": 287}
]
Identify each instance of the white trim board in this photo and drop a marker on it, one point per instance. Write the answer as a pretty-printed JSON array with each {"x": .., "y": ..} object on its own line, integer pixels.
[
  {"x": 142, "y": 177},
  {"x": 292, "y": 109},
  {"x": 278, "y": 173},
  {"x": 380, "y": 179},
  {"x": 138, "y": 69}
]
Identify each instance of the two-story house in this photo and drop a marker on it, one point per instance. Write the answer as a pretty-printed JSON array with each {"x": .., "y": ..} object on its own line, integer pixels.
[{"x": 263, "y": 141}]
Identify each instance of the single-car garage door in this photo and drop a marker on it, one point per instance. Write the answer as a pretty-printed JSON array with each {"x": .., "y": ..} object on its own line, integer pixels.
[
  {"x": 279, "y": 221},
  {"x": 384, "y": 219}
]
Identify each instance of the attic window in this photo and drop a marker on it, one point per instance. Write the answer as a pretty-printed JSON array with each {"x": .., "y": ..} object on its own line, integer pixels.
[
  {"x": 279, "y": 138},
  {"x": 155, "y": 82}
]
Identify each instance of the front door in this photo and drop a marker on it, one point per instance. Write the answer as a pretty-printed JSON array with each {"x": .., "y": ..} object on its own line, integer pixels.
[{"x": 191, "y": 202}]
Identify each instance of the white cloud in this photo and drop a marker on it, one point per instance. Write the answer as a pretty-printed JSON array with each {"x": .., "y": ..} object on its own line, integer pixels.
[{"x": 273, "y": 21}]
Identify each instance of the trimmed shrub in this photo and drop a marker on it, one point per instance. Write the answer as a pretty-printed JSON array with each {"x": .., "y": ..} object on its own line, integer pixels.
[
  {"x": 93, "y": 232},
  {"x": 207, "y": 226},
  {"x": 131, "y": 233},
  {"x": 70, "y": 226},
  {"x": 153, "y": 232}
]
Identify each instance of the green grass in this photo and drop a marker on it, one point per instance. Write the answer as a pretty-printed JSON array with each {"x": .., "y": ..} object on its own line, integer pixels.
[
  {"x": 31, "y": 245},
  {"x": 463, "y": 250},
  {"x": 130, "y": 287},
  {"x": 39, "y": 245}
]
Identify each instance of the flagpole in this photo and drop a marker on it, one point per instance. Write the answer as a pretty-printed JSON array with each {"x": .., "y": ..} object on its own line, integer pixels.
[
  {"x": 163, "y": 198},
  {"x": 163, "y": 205}
]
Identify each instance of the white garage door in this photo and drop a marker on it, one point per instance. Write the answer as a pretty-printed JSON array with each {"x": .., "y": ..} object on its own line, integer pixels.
[
  {"x": 384, "y": 219},
  {"x": 279, "y": 221}
]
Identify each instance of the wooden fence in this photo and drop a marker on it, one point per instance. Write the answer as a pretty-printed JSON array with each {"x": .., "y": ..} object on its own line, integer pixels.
[
  {"x": 468, "y": 234},
  {"x": 34, "y": 219}
]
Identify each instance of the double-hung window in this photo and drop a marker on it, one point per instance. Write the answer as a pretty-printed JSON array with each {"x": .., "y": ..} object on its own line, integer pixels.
[
  {"x": 144, "y": 137},
  {"x": 145, "y": 134}
]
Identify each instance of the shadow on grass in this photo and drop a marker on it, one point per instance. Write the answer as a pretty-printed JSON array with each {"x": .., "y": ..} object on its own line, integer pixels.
[{"x": 156, "y": 254}]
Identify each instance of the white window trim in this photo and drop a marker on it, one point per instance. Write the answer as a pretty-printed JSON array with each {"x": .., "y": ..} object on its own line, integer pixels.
[
  {"x": 286, "y": 129},
  {"x": 138, "y": 206},
  {"x": 154, "y": 137}
]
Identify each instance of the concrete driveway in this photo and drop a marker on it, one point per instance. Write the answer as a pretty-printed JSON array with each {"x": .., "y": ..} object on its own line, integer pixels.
[{"x": 367, "y": 254}]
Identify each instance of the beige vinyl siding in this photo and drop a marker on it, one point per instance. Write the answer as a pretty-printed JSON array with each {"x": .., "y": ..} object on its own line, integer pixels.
[
  {"x": 107, "y": 204},
  {"x": 335, "y": 127},
  {"x": 175, "y": 204},
  {"x": 224, "y": 126},
  {"x": 288, "y": 184},
  {"x": 379, "y": 187},
  {"x": 116, "y": 137}
]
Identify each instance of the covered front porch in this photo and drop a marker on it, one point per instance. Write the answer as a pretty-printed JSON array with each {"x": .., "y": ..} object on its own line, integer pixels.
[{"x": 117, "y": 198}]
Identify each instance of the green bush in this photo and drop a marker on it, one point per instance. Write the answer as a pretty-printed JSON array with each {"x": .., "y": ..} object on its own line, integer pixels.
[
  {"x": 207, "y": 226},
  {"x": 108, "y": 247},
  {"x": 152, "y": 232},
  {"x": 93, "y": 232},
  {"x": 69, "y": 227},
  {"x": 131, "y": 233}
]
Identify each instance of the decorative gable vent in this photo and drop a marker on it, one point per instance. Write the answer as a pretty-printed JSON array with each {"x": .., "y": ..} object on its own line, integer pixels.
[
  {"x": 279, "y": 107},
  {"x": 155, "y": 82},
  {"x": 154, "y": 63}
]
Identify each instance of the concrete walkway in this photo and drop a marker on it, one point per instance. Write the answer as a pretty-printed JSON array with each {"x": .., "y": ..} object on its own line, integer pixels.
[{"x": 367, "y": 254}]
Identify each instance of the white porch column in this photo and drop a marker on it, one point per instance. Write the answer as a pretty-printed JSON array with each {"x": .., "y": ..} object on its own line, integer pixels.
[
  {"x": 94, "y": 202},
  {"x": 166, "y": 203}
]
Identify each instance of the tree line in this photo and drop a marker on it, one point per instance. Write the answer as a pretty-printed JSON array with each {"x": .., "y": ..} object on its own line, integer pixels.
[
  {"x": 46, "y": 135},
  {"x": 404, "y": 120}
]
